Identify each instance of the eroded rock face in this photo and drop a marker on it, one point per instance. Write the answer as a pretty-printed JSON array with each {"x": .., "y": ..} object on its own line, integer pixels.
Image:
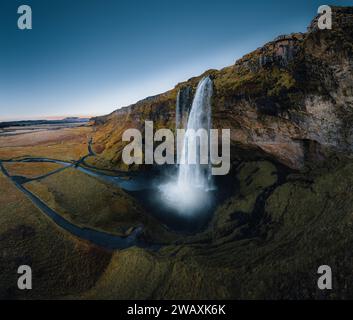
[
  {"x": 281, "y": 51},
  {"x": 294, "y": 92}
]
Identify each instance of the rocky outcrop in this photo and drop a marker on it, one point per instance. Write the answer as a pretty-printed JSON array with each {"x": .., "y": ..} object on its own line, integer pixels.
[{"x": 290, "y": 99}]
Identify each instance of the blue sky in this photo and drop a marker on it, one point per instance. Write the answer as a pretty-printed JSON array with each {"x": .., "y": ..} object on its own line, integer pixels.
[{"x": 90, "y": 57}]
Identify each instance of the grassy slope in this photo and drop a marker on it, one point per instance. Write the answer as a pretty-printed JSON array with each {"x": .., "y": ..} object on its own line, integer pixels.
[
  {"x": 265, "y": 241},
  {"x": 61, "y": 264},
  {"x": 88, "y": 202},
  {"x": 305, "y": 221}
]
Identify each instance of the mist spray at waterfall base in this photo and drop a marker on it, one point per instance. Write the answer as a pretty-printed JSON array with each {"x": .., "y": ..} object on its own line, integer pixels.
[
  {"x": 186, "y": 199},
  {"x": 189, "y": 193}
]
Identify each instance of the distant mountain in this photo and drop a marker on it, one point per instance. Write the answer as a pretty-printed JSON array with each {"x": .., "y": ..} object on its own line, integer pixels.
[
  {"x": 76, "y": 119},
  {"x": 23, "y": 123}
]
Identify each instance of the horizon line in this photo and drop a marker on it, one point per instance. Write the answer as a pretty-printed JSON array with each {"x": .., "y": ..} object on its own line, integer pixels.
[{"x": 49, "y": 118}]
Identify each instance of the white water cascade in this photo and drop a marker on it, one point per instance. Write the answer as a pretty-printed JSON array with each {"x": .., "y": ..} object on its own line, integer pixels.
[
  {"x": 197, "y": 175},
  {"x": 179, "y": 112},
  {"x": 188, "y": 192}
]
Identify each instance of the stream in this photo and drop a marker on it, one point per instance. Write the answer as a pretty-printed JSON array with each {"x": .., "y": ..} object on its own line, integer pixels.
[
  {"x": 100, "y": 238},
  {"x": 143, "y": 186}
]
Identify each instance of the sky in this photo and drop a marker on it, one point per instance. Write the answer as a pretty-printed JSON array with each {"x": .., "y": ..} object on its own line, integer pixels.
[{"x": 91, "y": 57}]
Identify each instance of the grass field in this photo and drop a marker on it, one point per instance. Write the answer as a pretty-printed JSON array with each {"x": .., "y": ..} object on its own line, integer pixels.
[
  {"x": 88, "y": 202},
  {"x": 31, "y": 170},
  {"x": 62, "y": 265},
  {"x": 65, "y": 144}
]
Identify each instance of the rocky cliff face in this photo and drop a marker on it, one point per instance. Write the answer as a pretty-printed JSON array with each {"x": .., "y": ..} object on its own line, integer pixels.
[{"x": 290, "y": 100}]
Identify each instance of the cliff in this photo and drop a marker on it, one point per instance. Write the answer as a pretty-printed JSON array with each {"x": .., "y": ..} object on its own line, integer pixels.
[{"x": 290, "y": 100}]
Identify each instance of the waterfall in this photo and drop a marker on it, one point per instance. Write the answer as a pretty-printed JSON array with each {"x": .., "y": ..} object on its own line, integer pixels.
[
  {"x": 188, "y": 191},
  {"x": 178, "y": 116},
  {"x": 197, "y": 175},
  {"x": 178, "y": 112},
  {"x": 182, "y": 107}
]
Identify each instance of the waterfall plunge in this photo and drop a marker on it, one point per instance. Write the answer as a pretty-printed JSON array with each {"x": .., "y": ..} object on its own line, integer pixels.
[
  {"x": 189, "y": 192},
  {"x": 197, "y": 175}
]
